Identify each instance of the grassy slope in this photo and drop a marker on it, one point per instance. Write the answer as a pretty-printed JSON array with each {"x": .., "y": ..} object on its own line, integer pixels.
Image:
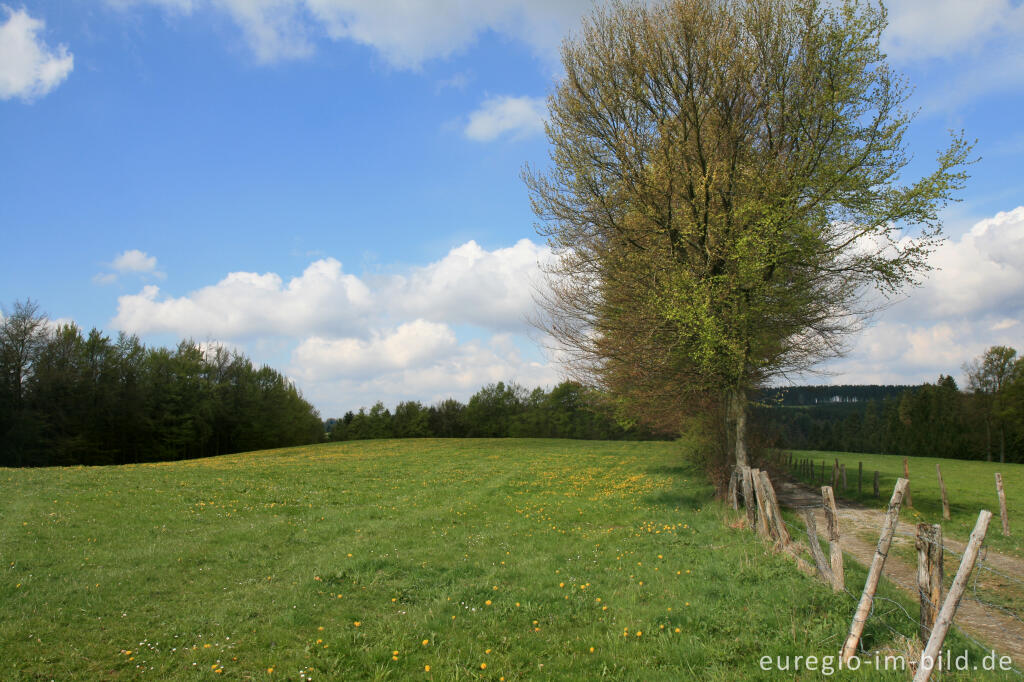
[
  {"x": 321, "y": 562},
  {"x": 970, "y": 487}
]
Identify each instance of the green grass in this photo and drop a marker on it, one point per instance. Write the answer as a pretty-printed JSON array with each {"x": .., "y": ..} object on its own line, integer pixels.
[
  {"x": 321, "y": 562},
  {"x": 970, "y": 487}
]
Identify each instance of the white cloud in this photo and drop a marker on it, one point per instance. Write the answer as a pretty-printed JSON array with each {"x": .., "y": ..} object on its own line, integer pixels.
[
  {"x": 973, "y": 301},
  {"x": 458, "y": 372},
  {"x": 519, "y": 116},
  {"x": 405, "y": 33},
  {"x": 352, "y": 340},
  {"x": 411, "y": 346},
  {"x": 923, "y": 29},
  {"x": 492, "y": 289},
  {"x": 29, "y": 68},
  {"x": 247, "y": 304},
  {"x": 470, "y": 285},
  {"x": 134, "y": 261},
  {"x": 131, "y": 261}
]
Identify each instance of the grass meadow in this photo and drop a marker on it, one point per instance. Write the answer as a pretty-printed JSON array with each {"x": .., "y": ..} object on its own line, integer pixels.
[
  {"x": 970, "y": 487},
  {"x": 419, "y": 559}
]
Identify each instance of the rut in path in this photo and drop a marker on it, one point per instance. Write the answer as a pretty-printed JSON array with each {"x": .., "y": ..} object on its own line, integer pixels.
[{"x": 997, "y": 629}]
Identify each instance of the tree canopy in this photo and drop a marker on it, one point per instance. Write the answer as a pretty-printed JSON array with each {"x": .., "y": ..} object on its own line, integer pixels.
[{"x": 725, "y": 186}]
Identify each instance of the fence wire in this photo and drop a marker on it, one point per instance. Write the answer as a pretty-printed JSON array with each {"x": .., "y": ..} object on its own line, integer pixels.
[{"x": 895, "y": 608}]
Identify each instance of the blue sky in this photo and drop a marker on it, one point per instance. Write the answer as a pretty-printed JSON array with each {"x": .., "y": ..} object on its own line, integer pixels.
[{"x": 332, "y": 186}]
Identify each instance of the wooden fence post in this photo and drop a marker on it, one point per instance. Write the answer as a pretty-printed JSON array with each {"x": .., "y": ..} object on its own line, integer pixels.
[
  {"x": 1002, "y": 505},
  {"x": 876, "y": 482},
  {"x": 835, "y": 551},
  {"x": 842, "y": 475},
  {"x": 733, "y": 496},
  {"x": 860, "y": 617},
  {"x": 776, "y": 513},
  {"x": 929, "y": 576},
  {"x": 763, "y": 520},
  {"x": 819, "y": 557},
  {"x": 906, "y": 475},
  {"x": 949, "y": 606},
  {"x": 748, "y": 494},
  {"x": 835, "y": 474},
  {"x": 942, "y": 488},
  {"x": 860, "y": 478}
]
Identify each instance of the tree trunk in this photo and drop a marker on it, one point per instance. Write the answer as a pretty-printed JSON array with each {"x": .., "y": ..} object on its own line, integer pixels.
[{"x": 738, "y": 399}]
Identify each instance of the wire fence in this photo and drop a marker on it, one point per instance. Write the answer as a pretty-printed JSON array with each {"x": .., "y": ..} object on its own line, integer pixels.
[{"x": 883, "y": 609}]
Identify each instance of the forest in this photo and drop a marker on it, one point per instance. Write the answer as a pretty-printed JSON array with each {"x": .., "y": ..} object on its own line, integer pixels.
[
  {"x": 984, "y": 422},
  {"x": 499, "y": 410},
  {"x": 72, "y": 398}
]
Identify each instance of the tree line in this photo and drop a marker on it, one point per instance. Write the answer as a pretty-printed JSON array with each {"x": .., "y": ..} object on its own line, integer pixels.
[
  {"x": 985, "y": 421},
  {"x": 498, "y": 410},
  {"x": 73, "y": 398}
]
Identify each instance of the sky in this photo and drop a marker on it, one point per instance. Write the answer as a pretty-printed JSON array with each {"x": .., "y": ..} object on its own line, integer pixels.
[{"x": 332, "y": 187}]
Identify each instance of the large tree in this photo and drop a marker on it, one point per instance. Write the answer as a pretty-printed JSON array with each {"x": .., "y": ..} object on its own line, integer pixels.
[{"x": 725, "y": 185}]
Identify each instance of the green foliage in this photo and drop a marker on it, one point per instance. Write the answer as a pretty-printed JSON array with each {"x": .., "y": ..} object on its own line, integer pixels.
[
  {"x": 497, "y": 411},
  {"x": 245, "y": 563},
  {"x": 931, "y": 420},
  {"x": 67, "y": 399},
  {"x": 727, "y": 181}
]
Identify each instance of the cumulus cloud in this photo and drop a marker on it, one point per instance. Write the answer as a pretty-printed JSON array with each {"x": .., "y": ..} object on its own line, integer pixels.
[
  {"x": 29, "y": 68},
  {"x": 247, "y": 304},
  {"x": 517, "y": 116},
  {"x": 389, "y": 337},
  {"x": 411, "y": 346},
  {"x": 471, "y": 285},
  {"x": 974, "y": 300},
  {"x": 458, "y": 372},
  {"x": 133, "y": 262}
]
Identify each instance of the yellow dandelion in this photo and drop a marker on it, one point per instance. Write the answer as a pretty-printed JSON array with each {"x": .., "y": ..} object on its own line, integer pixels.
[
  {"x": 426, "y": 668},
  {"x": 426, "y": 642},
  {"x": 357, "y": 623},
  {"x": 483, "y": 666}
]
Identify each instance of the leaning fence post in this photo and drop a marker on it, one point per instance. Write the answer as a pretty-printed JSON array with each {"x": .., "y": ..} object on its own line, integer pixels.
[
  {"x": 942, "y": 488},
  {"x": 776, "y": 513},
  {"x": 732, "y": 494},
  {"x": 764, "y": 523},
  {"x": 1002, "y": 505},
  {"x": 949, "y": 606},
  {"x": 929, "y": 575},
  {"x": 834, "y": 550},
  {"x": 819, "y": 557},
  {"x": 860, "y": 617}
]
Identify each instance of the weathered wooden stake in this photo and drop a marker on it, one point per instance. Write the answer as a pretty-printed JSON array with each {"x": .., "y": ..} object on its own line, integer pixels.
[
  {"x": 842, "y": 474},
  {"x": 929, "y": 576},
  {"x": 1002, "y": 505},
  {"x": 776, "y": 514},
  {"x": 748, "y": 494},
  {"x": 942, "y": 488},
  {"x": 931, "y": 652},
  {"x": 819, "y": 557},
  {"x": 860, "y": 478},
  {"x": 876, "y": 483},
  {"x": 860, "y": 617},
  {"x": 763, "y": 520},
  {"x": 835, "y": 474},
  {"x": 835, "y": 552},
  {"x": 733, "y": 485},
  {"x": 906, "y": 475}
]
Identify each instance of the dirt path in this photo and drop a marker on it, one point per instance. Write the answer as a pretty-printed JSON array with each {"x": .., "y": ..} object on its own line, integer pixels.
[{"x": 989, "y": 624}]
